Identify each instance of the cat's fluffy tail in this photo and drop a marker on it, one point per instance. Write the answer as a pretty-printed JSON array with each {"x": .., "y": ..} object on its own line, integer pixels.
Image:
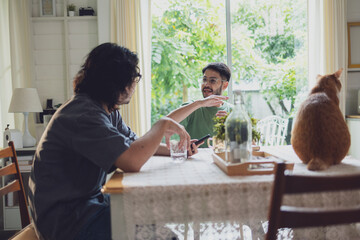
[{"x": 317, "y": 164}]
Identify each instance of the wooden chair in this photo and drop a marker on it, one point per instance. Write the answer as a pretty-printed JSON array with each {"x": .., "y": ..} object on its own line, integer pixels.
[
  {"x": 16, "y": 185},
  {"x": 283, "y": 216},
  {"x": 273, "y": 130}
]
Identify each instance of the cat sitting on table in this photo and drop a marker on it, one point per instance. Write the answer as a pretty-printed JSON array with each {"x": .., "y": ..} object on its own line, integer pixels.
[{"x": 320, "y": 136}]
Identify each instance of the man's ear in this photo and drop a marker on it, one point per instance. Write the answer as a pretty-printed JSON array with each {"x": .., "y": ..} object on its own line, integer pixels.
[
  {"x": 127, "y": 88},
  {"x": 225, "y": 85}
]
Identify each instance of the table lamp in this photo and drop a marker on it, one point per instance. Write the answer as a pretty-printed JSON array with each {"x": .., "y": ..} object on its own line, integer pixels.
[{"x": 25, "y": 100}]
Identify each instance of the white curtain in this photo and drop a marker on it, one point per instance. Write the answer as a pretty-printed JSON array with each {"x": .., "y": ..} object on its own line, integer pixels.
[
  {"x": 16, "y": 63},
  {"x": 130, "y": 26},
  {"x": 328, "y": 41},
  {"x": 5, "y": 69},
  {"x": 21, "y": 61},
  {"x": 20, "y": 43}
]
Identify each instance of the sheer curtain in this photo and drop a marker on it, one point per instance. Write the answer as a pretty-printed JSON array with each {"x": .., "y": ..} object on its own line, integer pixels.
[
  {"x": 5, "y": 69},
  {"x": 130, "y": 26},
  {"x": 20, "y": 47},
  {"x": 15, "y": 64},
  {"x": 328, "y": 41}
]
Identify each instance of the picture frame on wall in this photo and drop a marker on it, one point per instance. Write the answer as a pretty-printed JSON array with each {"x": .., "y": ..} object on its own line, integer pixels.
[
  {"x": 353, "y": 44},
  {"x": 47, "y": 8}
]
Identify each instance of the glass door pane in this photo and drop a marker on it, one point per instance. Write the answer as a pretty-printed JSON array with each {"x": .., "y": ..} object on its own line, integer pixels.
[
  {"x": 186, "y": 36},
  {"x": 269, "y": 55}
]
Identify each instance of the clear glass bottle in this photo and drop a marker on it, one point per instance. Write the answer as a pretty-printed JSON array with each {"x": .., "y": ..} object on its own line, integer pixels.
[{"x": 238, "y": 137}]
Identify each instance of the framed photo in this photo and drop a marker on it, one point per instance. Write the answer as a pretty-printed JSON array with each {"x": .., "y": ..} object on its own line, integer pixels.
[
  {"x": 354, "y": 44},
  {"x": 47, "y": 8}
]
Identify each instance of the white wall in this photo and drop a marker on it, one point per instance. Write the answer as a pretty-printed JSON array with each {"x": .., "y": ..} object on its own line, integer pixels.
[
  {"x": 353, "y": 84},
  {"x": 103, "y": 7},
  {"x": 60, "y": 45}
]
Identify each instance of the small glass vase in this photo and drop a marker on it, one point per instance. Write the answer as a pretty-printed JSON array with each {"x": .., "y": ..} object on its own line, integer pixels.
[{"x": 238, "y": 137}]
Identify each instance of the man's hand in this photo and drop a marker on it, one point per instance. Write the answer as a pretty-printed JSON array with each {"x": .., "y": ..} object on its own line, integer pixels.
[
  {"x": 221, "y": 113},
  {"x": 144, "y": 147},
  {"x": 175, "y": 128},
  {"x": 193, "y": 148},
  {"x": 213, "y": 101}
]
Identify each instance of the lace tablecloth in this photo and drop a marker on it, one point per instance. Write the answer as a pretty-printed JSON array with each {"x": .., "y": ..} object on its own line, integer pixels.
[{"x": 197, "y": 200}]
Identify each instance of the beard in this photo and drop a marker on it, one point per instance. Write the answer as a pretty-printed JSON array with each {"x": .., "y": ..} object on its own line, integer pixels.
[{"x": 207, "y": 91}]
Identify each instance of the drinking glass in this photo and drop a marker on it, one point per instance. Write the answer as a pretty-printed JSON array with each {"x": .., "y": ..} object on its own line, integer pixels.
[{"x": 178, "y": 153}]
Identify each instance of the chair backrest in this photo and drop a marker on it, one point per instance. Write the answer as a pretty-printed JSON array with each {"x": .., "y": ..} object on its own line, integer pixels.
[
  {"x": 284, "y": 216},
  {"x": 16, "y": 185},
  {"x": 273, "y": 130}
]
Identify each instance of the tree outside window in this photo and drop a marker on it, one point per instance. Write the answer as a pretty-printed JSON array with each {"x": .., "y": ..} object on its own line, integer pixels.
[{"x": 268, "y": 49}]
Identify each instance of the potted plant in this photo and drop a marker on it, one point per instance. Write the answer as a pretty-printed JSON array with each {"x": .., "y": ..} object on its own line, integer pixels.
[
  {"x": 219, "y": 129},
  {"x": 218, "y": 140},
  {"x": 71, "y": 9}
]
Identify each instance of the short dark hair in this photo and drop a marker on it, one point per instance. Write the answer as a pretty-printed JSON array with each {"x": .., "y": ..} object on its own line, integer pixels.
[
  {"x": 219, "y": 67},
  {"x": 107, "y": 70}
]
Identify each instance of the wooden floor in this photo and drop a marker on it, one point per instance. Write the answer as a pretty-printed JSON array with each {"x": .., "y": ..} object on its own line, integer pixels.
[{"x": 4, "y": 235}]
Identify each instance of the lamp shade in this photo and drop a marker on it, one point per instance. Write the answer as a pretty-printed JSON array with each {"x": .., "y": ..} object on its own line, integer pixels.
[{"x": 25, "y": 100}]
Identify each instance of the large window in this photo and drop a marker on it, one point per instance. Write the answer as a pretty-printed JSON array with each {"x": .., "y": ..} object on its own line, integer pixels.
[{"x": 264, "y": 42}]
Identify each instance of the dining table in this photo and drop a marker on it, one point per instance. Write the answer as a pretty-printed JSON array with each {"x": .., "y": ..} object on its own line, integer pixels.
[{"x": 196, "y": 199}]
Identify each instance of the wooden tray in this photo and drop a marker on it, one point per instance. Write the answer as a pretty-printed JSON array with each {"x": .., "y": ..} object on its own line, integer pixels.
[{"x": 254, "y": 167}]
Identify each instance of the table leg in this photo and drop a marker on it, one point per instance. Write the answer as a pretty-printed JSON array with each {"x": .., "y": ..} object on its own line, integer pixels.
[{"x": 119, "y": 229}]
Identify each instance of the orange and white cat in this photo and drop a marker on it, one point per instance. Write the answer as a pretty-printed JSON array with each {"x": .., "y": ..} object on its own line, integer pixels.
[{"x": 320, "y": 136}]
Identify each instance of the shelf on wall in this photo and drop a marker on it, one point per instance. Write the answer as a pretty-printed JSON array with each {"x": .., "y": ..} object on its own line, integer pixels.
[
  {"x": 48, "y": 18},
  {"x": 353, "y": 69},
  {"x": 63, "y": 18},
  {"x": 82, "y": 18}
]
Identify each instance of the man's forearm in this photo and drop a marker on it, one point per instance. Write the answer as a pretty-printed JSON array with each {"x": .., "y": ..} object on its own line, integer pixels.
[
  {"x": 184, "y": 111},
  {"x": 142, "y": 149},
  {"x": 162, "y": 150}
]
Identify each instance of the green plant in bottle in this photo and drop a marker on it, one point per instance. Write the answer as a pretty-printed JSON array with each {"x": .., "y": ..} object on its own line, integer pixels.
[
  {"x": 238, "y": 132},
  {"x": 219, "y": 128}
]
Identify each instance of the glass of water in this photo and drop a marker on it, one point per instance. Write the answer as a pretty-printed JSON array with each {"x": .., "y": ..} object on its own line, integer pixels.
[{"x": 178, "y": 153}]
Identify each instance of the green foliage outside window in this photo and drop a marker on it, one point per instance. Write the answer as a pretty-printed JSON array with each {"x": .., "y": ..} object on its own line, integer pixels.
[
  {"x": 184, "y": 40},
  {"x": 187, "y": 36}
]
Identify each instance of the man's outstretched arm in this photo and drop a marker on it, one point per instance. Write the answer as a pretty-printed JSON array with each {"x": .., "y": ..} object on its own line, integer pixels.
[{"x": 181, "y": 113}]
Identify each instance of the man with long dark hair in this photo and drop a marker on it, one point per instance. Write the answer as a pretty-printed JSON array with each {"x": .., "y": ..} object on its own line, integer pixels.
[{"x": 85, "y": 140}]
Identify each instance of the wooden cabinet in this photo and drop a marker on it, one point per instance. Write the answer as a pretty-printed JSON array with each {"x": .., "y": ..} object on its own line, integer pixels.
[{"x": 353, "y": 123}]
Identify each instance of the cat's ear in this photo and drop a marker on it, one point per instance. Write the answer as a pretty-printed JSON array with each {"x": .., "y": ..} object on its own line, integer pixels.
[
  {"x": 318, "y": 77},
  {"x": 338, "y": 73}
]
